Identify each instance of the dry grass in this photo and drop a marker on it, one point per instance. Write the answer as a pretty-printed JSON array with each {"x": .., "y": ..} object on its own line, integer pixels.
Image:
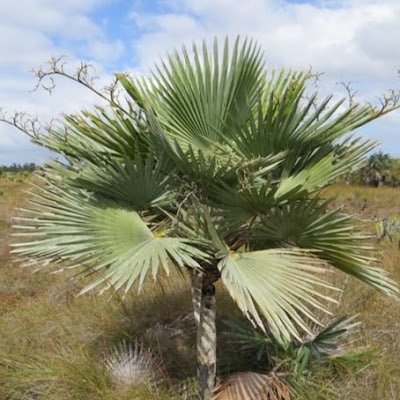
[
  {"x": 52, "y": 343},
  {"x": 365, "y": 201},
  {"x": 380, "y": 315}
]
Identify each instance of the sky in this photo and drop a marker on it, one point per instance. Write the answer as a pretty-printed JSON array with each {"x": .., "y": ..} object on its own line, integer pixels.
[{"x": 347, "y": 40}]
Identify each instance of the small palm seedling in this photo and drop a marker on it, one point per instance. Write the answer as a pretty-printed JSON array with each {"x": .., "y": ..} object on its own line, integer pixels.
[
  {"x": 388, "y": 228},
  {"x": 335, "y": 340},
  {"x": 296, "y": 360}
]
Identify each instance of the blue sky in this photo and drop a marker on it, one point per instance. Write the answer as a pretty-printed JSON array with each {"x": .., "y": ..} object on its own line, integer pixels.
[{"x": 348, "y": 40}]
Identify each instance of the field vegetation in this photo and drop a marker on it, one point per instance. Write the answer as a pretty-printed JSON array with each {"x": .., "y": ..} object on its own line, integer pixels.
[{"x": 53, "y": 344}]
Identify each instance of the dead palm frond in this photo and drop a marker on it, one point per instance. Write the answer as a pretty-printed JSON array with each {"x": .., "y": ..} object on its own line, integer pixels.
[
  {"x": 130, "y": 364},
  {"x": 251, "y": 386}
]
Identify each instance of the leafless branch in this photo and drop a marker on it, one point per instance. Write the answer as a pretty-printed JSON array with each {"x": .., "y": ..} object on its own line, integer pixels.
[
  {"x": 350, "y": 92},
  {"x": 84, "y": 75},
  {"x": 26, "y": 123},
  {"x": 113, "y": 91},
  {"x": 314, "y": 77},
  {"x": 388, "y": 102}
]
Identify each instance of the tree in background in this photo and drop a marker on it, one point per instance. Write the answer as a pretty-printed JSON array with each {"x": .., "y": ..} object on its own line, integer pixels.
[
  {"x": 212, "y": 166},
  {"x": 377, "y": 169},
  {"x": 27, "y": 167}
]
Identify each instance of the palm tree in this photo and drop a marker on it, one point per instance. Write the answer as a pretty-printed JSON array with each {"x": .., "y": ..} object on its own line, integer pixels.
[
  {"x": 377, "y": 168},
  {"x": 215, "y": 166}
]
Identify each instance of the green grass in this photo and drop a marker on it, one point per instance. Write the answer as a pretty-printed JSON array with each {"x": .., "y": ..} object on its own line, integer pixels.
[{"x": 53, "y": 343}]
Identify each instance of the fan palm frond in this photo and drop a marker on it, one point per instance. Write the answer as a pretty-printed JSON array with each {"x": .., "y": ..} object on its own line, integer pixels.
[
  {"x": 388, "y": 227},
  {"x": 195, "y": 97},
  {"x": 72, "y": 226},
  {"x": 318, "y": 173},
  {"x": 310, "y": 225},
  {"x": 140, "y": 184},
  {"x": 280, "y": 285},
  {"x": 103, "y": 131},
  {"x": 331, "y": 341}
]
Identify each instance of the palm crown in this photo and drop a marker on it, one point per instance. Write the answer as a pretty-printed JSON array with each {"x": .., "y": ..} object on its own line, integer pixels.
[{"x": 216, "y": 165}]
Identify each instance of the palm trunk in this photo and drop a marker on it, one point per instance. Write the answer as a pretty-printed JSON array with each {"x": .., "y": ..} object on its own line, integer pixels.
[
  {"x": 203, "y": 298},
  {"x": 196, "y": 278}
]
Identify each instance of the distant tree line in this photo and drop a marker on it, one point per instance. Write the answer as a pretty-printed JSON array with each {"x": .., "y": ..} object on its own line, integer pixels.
[
  {"x": 27, "y": 167},
  {"x": 381, "y": 169}
]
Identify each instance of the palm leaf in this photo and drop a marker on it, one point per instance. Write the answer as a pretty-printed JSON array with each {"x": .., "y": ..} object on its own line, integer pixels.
[
  {"x": 330, "y": 340},
  {"x": 104, "y": 131},
  {"x": 280, "y": 285},
  {"x": 247, "y": 338},
  {"x": 73, "y": 227},
  {"x": 334, "y": 340},
  {"x": 284, "y": 118},
  {"x": 196, "y": 98},
  {"x": 140, "y": 183},
  {"x": 321, "y": 171},
  {"x": 334, "y": 235},
  {"x": 267, "y": 130}
]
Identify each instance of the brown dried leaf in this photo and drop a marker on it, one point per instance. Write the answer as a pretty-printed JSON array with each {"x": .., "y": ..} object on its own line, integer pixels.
[{"x": 251, "y": 386}]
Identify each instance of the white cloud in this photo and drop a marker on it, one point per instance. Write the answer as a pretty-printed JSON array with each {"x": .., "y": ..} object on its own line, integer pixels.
[
  {"x": 166, "y": 33},
  {"x": 105, "y": 51},
  {"x": 20, "y": 46},
  {"x": 66, "y": 18},
  {"x": 350, "y": 39},
  {"x": 30, "y": 33}
]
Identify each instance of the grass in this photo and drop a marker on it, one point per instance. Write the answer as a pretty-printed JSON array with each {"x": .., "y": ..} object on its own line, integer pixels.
[
  {"x": 53, "y": 343},
  {"x": 380, "y": 315},
  {"x": 365, "y": 201}
]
